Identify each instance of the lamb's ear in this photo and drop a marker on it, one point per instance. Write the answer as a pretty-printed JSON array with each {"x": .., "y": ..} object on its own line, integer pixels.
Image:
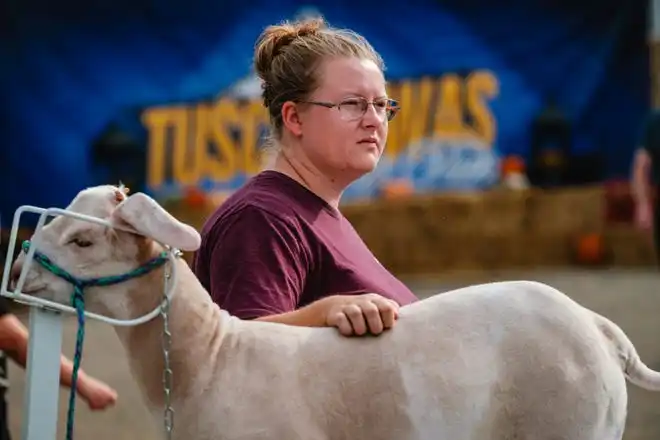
[{"x": 147, "y": 217}]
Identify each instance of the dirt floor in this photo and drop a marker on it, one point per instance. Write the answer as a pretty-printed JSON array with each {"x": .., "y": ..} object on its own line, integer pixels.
[{"x": 630, "y": 298}]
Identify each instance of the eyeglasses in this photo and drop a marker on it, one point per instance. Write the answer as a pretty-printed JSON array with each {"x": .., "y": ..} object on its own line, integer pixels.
[{"x": 355, "y": 108}]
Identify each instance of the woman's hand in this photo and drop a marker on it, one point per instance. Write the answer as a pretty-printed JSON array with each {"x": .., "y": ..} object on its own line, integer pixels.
[
  {"x": 361, "y": 314},
  {"x": 358, "y": 315},
  {"x": 97, "y": 394}
]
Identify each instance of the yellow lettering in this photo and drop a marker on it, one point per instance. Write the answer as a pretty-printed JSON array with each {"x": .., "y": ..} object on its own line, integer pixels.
[
  {"x": 449, "y": 120},
  {"x": 158, "y": 121},
  {"x": 223, "y": 116},
  {"x": 410, "y": 124},
  {"x": 200, "y": 141},
  {"x": 392, "y": 146},
  {"x": 187, "y": 165},
  {"x": 480, "y": 86},
  {"x": 255, "y": 116}
]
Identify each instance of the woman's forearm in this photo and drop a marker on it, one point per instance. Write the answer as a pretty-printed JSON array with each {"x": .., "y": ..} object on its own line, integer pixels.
[
  {"x": 66, "y": 370},
  {"x": 14, "y": 341},
  {"x": 312, "y": 315},
  {"x": 14, "y": 338}
]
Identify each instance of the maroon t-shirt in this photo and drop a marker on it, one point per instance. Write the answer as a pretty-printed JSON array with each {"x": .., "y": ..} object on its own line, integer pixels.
[{"x": 274, "y": 246}]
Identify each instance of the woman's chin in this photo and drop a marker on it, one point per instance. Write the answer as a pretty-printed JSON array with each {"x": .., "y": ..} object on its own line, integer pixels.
[{"x": 367, "y": 162}]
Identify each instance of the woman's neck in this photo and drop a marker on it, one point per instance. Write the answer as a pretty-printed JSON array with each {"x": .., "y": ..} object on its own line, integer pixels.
[{"x": 311, "y": 178}]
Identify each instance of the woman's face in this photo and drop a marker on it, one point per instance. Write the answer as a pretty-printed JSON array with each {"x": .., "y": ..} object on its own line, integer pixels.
[{"x": 346, "y": 142}]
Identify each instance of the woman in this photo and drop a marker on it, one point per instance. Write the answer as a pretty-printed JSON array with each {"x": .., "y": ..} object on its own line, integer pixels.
[{"x": 278, "y": 249}]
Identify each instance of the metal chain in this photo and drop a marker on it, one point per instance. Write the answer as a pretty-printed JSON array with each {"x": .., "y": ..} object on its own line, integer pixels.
[{"x": 167, "y": 371}]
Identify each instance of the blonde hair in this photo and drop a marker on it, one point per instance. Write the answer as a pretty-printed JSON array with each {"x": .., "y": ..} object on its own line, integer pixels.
[{"x": 287, "y": 57}]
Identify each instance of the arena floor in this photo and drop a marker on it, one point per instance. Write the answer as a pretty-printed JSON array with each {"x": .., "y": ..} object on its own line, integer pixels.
[{"x": 630, "y": 298}]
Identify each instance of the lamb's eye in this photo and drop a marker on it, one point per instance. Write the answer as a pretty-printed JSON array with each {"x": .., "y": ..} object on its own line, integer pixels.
[{"x": 81, "y": 243}]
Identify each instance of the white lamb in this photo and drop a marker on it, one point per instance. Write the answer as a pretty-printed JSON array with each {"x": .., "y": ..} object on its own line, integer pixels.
[{"x": 489, "y": 362}]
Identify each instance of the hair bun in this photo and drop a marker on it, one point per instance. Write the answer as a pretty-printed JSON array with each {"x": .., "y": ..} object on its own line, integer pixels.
[{"x": 275, "y": 38}]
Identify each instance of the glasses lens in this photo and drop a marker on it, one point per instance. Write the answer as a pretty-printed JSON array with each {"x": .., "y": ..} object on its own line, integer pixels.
[
  {"x": 353, "y": 108},
  {"x": 392, "y": 109}
]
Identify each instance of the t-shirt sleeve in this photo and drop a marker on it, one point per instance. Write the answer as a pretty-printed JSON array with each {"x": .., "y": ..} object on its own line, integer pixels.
[{"x": 258, "y": 265}]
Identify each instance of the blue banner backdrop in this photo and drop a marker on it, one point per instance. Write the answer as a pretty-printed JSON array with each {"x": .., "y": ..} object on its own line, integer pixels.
[{"x": 470, "y": 77}]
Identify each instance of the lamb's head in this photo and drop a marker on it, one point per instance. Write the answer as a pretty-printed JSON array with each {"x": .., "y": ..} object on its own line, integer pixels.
[{"x": 87, "y": 250}]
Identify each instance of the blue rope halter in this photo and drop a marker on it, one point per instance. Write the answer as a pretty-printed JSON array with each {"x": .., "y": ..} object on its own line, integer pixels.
[{"x": 78, "y": 302}]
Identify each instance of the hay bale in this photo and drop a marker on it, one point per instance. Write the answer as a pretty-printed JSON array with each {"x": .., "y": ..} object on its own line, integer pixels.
[
  {"x": 483, "y": 231},
  {"x": 548, "y": 249},
  {"x": 629, "y": 247},
  {"x": 496, "y": 212},
  {"x": 566, "y": 210},
  {"x": 486, "y": 252},
  {"x": 502, "y": 212},
  {"x": 455, "y": 213}
]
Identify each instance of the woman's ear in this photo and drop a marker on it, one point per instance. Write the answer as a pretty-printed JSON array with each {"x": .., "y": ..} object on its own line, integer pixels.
[{"x": 291, "y": 118}]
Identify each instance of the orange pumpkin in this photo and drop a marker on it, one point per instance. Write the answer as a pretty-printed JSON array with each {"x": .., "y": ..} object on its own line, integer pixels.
[
  {"x": 512, "y": 164},
  {"x": 194, "y": 197},
  {"x": 590, "y": 249},
  {"x": 397, "y": 188}
]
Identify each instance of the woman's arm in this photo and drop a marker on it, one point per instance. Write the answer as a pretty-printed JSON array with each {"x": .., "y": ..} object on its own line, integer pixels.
[
  {"x": 312, "y": 315},
  {"x": 358, "y": 315},
  {"x": 14, "y": 342}
]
